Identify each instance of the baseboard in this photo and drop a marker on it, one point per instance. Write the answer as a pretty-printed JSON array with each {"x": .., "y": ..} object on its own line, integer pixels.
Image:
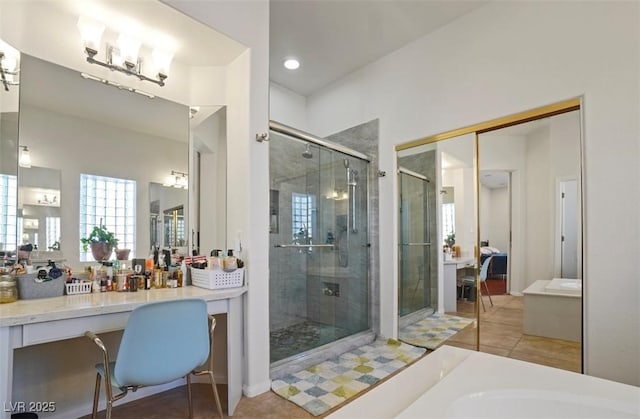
[{"x": 257, "y": 389}]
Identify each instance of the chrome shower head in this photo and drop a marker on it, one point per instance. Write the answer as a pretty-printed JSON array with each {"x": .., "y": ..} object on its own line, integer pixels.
[{"x": 307, "y": 154}]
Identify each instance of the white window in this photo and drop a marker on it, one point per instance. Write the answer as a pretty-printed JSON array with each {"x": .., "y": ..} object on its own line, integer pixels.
[
  {"x": 53, "y": 232},
  {"x": 111, "y": 201},
  {"x": 303, "y": 207},
  {"x": 448, "y": 220},
  {"x": 8, "y": 212}
]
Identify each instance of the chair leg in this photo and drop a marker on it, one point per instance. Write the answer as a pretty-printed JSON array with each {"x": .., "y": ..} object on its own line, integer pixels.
[
  {"x": 96, "y": 397},
  {"x": 189, "y": 398},
  {"x": 482, "y": 301},
  {"x": 215, "y": 393},
  {"x": 109, "y": 406},
  {"x": 486, "y": 287}
]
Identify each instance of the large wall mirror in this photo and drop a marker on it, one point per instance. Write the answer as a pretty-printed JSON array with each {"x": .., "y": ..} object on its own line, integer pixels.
[
  {"x": 104, "y": 149},
  {"x": 9, "y": 94},
  {"x": 437, "y": 235},
  {"x": 506, "y": 220}
]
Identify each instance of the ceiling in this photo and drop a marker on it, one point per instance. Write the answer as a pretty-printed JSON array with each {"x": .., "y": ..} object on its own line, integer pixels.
[{"x": 334, "y": 38}]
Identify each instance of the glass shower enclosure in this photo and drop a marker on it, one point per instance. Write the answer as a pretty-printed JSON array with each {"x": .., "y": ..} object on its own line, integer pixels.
[
  {"x": 319, "y": 252},
  {"x": 417, "y": 255}
]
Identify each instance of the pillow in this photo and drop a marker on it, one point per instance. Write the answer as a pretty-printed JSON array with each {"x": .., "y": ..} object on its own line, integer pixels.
[{"x": 488, "y": 250}]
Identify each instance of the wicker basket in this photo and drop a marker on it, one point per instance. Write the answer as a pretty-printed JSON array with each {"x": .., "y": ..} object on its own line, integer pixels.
[
  {"x": 210, "y": 279},
  {"x": 78, "y": 288}
]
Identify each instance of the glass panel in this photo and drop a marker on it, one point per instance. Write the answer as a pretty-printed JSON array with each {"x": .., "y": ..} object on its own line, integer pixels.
[
  {"x": 319, "y": 256},
  {"x": 416, "y": 248}
]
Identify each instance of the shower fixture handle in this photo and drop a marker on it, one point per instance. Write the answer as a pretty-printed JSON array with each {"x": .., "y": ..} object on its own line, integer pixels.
[
  {"x": 262, "y": 137},
  {"x": 303, "y": 246}
]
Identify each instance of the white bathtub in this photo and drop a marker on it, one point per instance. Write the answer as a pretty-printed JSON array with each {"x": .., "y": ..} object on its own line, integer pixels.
[
  {"x": 553, "y": 309},
  {"x": 458, "y": 383}
]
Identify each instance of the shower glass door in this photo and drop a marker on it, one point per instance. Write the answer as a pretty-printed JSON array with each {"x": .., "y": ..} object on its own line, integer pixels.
[
  {"x": 416, "y": 249},
  {"x": 319, "y": 254}
]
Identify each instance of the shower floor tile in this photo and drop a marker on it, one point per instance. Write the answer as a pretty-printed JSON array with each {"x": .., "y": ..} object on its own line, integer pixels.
[{"x": 302, "y": 337}]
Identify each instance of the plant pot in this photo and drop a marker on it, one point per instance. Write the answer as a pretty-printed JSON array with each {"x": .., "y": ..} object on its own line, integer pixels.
[
  {"x": 122, "y": 254},
  {"x": 101, "y": 251}
]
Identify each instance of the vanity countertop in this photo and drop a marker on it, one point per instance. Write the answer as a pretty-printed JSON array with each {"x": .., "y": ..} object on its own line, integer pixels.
[{"x": 82, "y": 305}]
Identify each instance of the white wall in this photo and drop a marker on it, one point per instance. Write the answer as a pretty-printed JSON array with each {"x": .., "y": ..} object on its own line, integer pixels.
[
  {"x": 248, "y": 114},
  {"x": 287, "y": 107},
  {"x": 498, "y": 60}
]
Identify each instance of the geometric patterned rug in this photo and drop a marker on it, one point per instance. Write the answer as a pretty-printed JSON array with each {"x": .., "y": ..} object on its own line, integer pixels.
[
  {"x": 433, "y": 331},
  {"x": 322, "y": 387}
]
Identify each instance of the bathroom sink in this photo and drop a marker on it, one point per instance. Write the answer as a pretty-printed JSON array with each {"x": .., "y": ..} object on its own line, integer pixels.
[
  {"x": 564, "y": 286},
  {"x": 537, "y": 404}
]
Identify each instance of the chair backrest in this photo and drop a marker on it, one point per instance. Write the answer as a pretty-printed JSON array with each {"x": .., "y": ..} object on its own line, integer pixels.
[
  {"x": 485, "y": 268},
  {"x": 162, "y": 342}
]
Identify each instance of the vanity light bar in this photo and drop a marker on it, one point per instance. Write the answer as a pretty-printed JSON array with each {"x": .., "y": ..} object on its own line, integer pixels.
[{"x": 118, "y": 85}]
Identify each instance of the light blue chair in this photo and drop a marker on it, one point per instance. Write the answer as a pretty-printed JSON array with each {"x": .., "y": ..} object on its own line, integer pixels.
[
  {"x": 162, "y": 342},
  {"x": 470, "y": 281}
]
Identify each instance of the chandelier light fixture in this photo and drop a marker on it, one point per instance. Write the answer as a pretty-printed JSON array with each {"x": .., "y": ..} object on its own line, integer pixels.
[
  {"x": 124, "y": 55},
  {"x": 8, "y": 70},
  {"x": 177, "y": 180}
]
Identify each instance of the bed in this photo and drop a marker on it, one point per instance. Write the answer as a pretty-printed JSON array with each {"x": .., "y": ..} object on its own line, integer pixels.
[{"x": 498, "y": 266}]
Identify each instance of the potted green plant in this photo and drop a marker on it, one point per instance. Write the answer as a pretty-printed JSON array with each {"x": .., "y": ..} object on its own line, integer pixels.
[{"x": 101, "y": 242}]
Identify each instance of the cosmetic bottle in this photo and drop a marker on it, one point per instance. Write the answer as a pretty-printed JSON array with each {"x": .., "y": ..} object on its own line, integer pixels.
[{"x": 230, "y": 262}]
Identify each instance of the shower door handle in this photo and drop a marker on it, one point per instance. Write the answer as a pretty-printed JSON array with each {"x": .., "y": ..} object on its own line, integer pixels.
[
  {"x": 415, "y": 244},
  {"x": 303, "y": 246}
]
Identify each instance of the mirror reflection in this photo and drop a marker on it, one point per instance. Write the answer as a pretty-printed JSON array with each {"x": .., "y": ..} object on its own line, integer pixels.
[
  {"x": 437, "y": 243},
  {"x": 208, "y": 210},
  {"x": 530, "y": 235},
  {"x": 106, "y": 154},
  {"x": 9, "y": 93},
  {"x": 39, "y": 212},
  {"x": 167, "y": 217}
]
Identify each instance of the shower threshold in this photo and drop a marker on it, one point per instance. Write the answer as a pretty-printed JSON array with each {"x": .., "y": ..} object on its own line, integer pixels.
[
  {"x": 316, "y": 355},
  {"x": 302, "y": 337}
]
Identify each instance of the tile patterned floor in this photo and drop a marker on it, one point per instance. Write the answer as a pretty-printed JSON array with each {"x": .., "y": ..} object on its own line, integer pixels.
[
  {"x": 434, "y": 330},
  {"x": 322, "y": 387}
]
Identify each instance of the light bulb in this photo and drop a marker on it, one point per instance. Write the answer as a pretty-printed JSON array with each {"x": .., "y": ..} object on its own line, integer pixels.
[
  {"x": 25, "y": 157},
  {"x": 90, "y": 32},
  {"x": 291, "y": 64},
  {"x": 128, "y": 48},
  {"x": 162, "y": 61}
]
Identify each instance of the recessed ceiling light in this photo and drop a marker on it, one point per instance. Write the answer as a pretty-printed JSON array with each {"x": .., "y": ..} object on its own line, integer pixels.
[{"x": 291, "y": 64}]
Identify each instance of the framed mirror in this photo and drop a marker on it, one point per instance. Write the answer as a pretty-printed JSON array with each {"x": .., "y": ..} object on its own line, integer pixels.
[{"x": 513, "y": 207}]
